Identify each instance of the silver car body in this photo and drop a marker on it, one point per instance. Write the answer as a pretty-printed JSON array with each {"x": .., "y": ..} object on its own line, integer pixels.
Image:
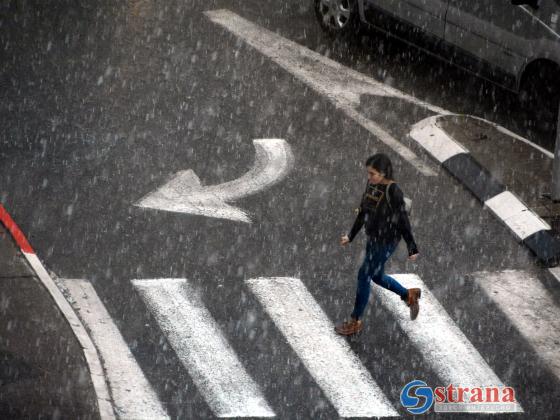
[{"x": 506, "y": 37}]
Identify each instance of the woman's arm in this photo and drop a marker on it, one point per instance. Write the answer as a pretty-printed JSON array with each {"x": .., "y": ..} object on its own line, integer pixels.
[{"x": 358, "y": 223}]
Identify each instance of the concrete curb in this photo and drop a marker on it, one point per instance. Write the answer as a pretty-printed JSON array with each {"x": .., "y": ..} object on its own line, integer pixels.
[
  {"x": 526, "y": 225},
  {"x": 95, "y": 367}
]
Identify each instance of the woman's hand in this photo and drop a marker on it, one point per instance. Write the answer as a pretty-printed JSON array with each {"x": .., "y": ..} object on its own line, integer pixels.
[
  {"x": 344, "y": 240},
  {"x": 413, "y": 257}
]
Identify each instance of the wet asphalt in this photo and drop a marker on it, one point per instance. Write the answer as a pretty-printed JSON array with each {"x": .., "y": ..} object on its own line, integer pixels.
[{"x": 102, "y": 102}]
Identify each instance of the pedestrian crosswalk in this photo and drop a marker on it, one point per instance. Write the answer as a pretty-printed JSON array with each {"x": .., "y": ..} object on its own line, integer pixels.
[
  {"x": 531, "y": 309},
  {"x": 444, "y": 346},
  {"x": 133, "y": 397},
  {"x": 327, "y": 357},
  {"x": 351, "y": 389},
  {"x": 203, "y": 349}
]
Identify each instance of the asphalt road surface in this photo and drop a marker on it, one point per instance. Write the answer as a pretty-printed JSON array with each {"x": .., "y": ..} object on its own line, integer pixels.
[{"x": 104, "y": 103}]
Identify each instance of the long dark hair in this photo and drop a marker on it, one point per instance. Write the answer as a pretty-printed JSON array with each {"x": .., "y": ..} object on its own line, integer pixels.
[{"x": 382, "y": 164}]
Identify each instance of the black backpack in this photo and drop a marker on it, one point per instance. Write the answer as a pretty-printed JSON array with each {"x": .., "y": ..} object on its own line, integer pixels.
[{"x": 407, "y": 201}]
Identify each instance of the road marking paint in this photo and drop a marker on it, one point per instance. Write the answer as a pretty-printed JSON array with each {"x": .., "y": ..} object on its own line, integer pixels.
[
  {"x": 389, "y": 140},
  {"x": 327, "y": 357},
  {"x": 133, "y": 395},
  {"x": 91, "y": 356},
  {"x": 202, "y": 348},
  {"x": 442, "y": 344},
  {"x": 516, "y": 137},
  {"x": 185, "y": 194},
  {"x": 435, "y": 140},
  {"x": 322, "y": 73},
  {"x": 340, "y": 85},
  {"x": 529, "y": 307}
]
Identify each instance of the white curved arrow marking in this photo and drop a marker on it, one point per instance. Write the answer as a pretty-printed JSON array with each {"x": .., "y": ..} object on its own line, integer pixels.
[{"x": 185, "y": 194}]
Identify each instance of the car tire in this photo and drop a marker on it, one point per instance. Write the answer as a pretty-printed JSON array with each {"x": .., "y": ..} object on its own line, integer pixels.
[
  {"x": 540, "y": 94},
  {"x": 338, "y": 17}
]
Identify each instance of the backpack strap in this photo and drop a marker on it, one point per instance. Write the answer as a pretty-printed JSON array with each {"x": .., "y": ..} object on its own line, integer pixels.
[{"x": 387, "y": 194}]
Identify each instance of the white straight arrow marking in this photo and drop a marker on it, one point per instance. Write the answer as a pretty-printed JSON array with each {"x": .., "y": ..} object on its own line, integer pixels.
[
  {"x": 327, "y": 357},
  {"x": 443, "y": 345},
  {"x": 185, "y": 194},
  {"x": 339, "y": 84},
  {"x": 203, "y": 350},
  {"x": 530, "y": 307},
  {"x": 132, "y": 394}
]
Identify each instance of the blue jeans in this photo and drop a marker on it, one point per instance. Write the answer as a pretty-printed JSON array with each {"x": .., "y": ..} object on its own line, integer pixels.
[{"x": 373, "y": 269}]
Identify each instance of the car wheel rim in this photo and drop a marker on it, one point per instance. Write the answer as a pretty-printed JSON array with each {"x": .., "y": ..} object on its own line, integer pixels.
[{"x": 335, "y": 13}]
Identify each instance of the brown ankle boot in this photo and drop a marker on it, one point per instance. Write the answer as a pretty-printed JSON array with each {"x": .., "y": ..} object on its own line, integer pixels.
[
  {"x": 412, "y": 302},
  {"x": 349, "y": 327}
]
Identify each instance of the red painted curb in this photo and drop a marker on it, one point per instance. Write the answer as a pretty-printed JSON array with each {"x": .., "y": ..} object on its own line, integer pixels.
[{"x": 15, "y": 231}]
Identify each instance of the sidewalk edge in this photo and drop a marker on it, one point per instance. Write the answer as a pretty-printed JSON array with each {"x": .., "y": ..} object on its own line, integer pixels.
[{"x": 104, "y": 402}]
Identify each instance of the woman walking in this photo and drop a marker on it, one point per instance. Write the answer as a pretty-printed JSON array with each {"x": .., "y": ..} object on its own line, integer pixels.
[{"x": 383, "y": 212}]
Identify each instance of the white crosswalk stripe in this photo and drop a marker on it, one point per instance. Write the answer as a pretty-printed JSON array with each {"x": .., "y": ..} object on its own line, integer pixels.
[
  {"x": 203, "y": 350},
  {"x": 443, "y": 345},
  {"x": 133, "y": 397},
  {"x": 327, "y": 357},
  {"x": 530, "y": 308}
]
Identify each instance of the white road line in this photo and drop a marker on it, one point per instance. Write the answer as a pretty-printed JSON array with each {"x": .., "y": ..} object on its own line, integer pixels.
[
  {"x": 203, "y": 350},
  {"x": 91, "y": 354},
  {"x": 516, "y": 215},
  {"x": 529, "y": 306},
  {"x": 185, "y": 194},
  {"x": 133, "y": 396},
  {"x": 327, "y": 357},
  {"x": 443, "y": 345},
  {"x": 339, "y": 84},
  {"x": 516, "y": 136}
]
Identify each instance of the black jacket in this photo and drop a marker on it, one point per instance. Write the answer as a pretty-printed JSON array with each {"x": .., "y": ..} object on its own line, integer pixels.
[{"x": 385, "y": 217}]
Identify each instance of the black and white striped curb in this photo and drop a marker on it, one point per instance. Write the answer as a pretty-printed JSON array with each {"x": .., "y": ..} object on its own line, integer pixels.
[{"x": 526, "y": 225}]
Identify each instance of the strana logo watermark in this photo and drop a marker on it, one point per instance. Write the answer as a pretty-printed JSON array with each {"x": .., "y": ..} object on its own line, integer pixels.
[{"x": 417, "y": 397}]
